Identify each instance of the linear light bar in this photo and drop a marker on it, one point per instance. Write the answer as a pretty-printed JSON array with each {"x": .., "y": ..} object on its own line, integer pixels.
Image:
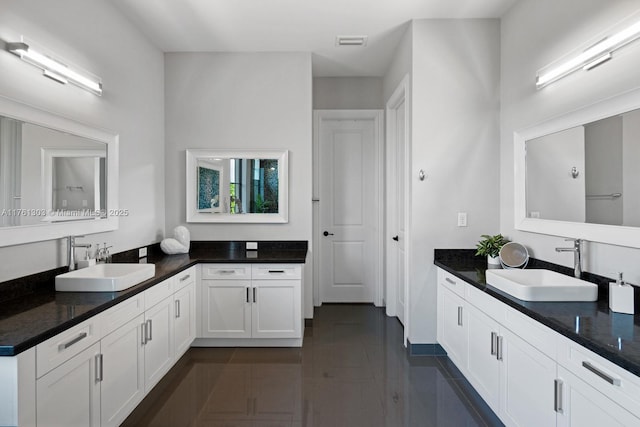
[
  {"x": 591, "y": 57},
  {"x": 56, "y": 70}
]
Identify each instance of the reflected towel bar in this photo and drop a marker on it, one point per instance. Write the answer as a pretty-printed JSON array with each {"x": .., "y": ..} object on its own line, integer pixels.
[{"x": 604, "y": 196}]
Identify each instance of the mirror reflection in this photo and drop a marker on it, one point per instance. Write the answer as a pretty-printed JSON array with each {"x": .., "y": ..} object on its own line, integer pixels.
[
  {"x": 237, "y": 186},
  {"x": 48, "y": 175},
  {"x": 586, "y": 174}
]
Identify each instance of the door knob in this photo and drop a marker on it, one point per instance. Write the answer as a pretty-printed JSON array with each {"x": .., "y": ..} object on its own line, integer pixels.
[
  {"x": 326, "y": 233},
  {"x": 395, "y": 238}
]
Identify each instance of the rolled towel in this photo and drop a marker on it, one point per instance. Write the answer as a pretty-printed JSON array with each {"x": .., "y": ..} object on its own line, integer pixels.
[{"x": 179, "y": 244}]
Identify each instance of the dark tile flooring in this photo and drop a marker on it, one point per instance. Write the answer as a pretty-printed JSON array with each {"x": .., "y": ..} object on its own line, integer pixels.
[{"x": 352, "y": 371}]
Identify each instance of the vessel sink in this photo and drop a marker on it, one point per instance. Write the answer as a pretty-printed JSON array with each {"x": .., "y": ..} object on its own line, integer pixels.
[
  {"x": 104, "y": 277},
  {"x": 542, "y": 285}
]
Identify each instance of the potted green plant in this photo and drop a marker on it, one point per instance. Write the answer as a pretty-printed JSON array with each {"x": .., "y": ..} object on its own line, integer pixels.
[{"x": 490, "y": 247}]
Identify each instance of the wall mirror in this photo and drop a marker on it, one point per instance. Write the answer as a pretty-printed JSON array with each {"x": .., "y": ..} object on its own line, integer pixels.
[
  {"x": 237, "y": 186},
  {"x": 577, "y": 175},
  {"x": 58, "y": 177}
]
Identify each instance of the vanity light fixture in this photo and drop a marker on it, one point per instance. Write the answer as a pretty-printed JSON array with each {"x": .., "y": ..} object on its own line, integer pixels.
[
  {"x": 54, "y": 68},
  {"x": 593, "y": 56}
]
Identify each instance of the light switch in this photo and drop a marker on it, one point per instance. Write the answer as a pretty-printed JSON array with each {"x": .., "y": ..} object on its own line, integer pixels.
[{"x": 462, "y": 219}]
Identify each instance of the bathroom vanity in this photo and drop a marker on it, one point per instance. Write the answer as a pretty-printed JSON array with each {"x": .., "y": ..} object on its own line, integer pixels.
[
  {"x": 89, "y": 358},
  {"x": 538, "y": 363}
]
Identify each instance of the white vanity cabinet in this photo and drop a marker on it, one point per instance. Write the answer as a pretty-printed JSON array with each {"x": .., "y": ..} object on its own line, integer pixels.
[
  {"x": 251, "y": 302},
  {"x": 528, "y": 374},
  {"x": 184, "y": 309}
]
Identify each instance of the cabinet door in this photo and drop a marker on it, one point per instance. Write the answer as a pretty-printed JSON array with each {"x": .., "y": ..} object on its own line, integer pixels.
[
  {"x": 69, "y": 395},
  {"x": 452, "y": 326},
  {"x": 276, "y": 310},
  {"x": 483, "y": 366},
  {"x": 158, "y": 347},
  {"x": 122, "y": 384},
  {"x": 184, "y": 319},
  {"x": 226, "y": 308},
  {"x": 583, "y": 406},
  {"x": 528, "y": 380}
]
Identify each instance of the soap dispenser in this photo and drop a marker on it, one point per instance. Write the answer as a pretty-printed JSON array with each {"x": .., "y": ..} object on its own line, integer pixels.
[{"x": 621, "y": 296}]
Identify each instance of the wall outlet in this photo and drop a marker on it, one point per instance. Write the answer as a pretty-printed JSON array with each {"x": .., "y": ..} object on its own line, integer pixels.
[
  {"x": 462, "y": 219},
  {"x": 252, "y": 246},
  {"x": 142, "y": 252}
]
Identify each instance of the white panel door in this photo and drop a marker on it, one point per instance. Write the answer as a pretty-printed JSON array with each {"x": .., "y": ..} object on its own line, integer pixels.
[
  {"x": 184, "y": 319},
  {"x": 69, "y": 395},
  {"x": 226, "y": 308},
  {"x": 276, "y": 309},
  {"x": 398, "y": 199},
  {"x": 348, "y": 210},
  {"x": 122, "y": 385},
  {"x": 158, "y": 349}
]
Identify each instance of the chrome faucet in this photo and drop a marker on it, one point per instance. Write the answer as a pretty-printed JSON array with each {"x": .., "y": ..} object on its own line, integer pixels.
[
  {"x": 71, "y": 250},
  {"x": 577, "y": 259}
]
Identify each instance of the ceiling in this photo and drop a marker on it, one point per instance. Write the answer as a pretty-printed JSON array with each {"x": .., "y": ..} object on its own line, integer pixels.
[{"x": 296, "y": 26}]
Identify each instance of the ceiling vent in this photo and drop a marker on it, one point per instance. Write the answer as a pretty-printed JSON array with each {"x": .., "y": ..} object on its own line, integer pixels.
[{"x": 351, "y": 40}]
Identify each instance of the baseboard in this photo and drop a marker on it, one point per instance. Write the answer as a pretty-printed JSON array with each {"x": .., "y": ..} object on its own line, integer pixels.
[{"x": 425, "y": 349}]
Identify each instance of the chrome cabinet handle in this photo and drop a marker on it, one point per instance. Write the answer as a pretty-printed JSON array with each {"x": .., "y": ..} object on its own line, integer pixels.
[
  {"x": 182, "y": 279},
  {"x": 459, "y": 316},
  {"x": 73, "y": 341},
  {"x": 226, "y": 271},
  {"x": 177, "y": 309},
  {"x": 143, "y": 333},
  {"x": 149, "y": 330},
  {"x": 608, "y": 378},
  {"x": 557, "y": 396},
  {"x": 499, "y": 347},
  {"x": 276, "y": 271},
  {"x": 450, "y": 281},
  {"x": 494, "y": 343},
  {"x": 255, "y": 295},
  {"x": 99, "y": 367}
]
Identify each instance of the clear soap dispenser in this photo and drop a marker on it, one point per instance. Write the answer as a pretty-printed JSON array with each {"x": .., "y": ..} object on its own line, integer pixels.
[{"x": 621, "y": 296}]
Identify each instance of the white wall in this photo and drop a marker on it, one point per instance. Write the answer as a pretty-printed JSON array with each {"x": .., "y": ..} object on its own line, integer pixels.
[
  {"x": 347, "y": 93},
  {"x": 96, "y": 37},
  {"x": 535, "y": 33},
  {"x": 241, "y": 101},
  {"x": 454, "y": 68}
]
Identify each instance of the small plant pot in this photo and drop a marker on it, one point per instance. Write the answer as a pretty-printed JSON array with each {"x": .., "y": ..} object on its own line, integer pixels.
[{"x": 493, "y": 260}]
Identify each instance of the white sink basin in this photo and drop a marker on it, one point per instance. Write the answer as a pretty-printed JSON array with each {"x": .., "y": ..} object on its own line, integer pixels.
[
  {"x": 542, "y": 285},
  {"x": 104, "y": 277}
]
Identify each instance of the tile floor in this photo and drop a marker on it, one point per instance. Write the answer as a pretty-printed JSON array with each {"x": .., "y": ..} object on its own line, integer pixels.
[{"x": 352, "y": 371}]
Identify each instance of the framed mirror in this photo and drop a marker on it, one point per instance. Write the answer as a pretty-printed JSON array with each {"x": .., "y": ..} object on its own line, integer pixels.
[
  {"x": 58, "y": 177},
  {"x": 577, "y": 175},
  {"x": 237, "y": 186}
]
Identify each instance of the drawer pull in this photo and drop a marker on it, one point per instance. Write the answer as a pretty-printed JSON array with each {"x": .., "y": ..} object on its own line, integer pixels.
[
  {"x": 276, "y": 271},
  {"x": 459, "y": 316},
  {"x": 608, "y": 378},
  {"x": 149, "y": 331},
  {"x": 453, "y": 282},
  {"x": 499, "y": 347},
  {"x": 557, "y": 396},
  {"x": 226, "y": 271},
  {"x": 494, "y": 343},
  {"x": 143, "y": 333},
  {"x": 68, "y": 344},
  {"x": 182, "y": 279}
]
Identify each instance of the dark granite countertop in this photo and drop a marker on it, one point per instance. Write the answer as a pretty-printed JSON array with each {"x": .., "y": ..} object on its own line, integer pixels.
[
  {"x": 37, "y": 312},
  {"x": 614, "y": 336}
]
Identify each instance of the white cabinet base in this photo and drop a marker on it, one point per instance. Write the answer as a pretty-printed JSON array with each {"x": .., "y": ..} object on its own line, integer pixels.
[{"x": 247, "y": 342}]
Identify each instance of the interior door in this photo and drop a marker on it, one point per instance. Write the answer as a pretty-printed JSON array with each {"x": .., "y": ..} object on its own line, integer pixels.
[
  {"x": 349, "y": 209},
  {"x": 398, "y": 199}
]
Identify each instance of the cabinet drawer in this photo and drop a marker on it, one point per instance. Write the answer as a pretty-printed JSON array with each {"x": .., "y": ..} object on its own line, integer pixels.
[
  {"x": 120, "y": 314},
  {"x": 486, "y": 303},
  {"x": 184, "y": 278},
  {"x": 276, "y": 271},
  {"x": 57, "y": 350},
  {"x": 533, "y": 332},
  {"x": 158, "y": 292},
  {"x": 618, "y": 384},
  {"x": 226, "y": 271},
  {"x": 451, "y": 282}
]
